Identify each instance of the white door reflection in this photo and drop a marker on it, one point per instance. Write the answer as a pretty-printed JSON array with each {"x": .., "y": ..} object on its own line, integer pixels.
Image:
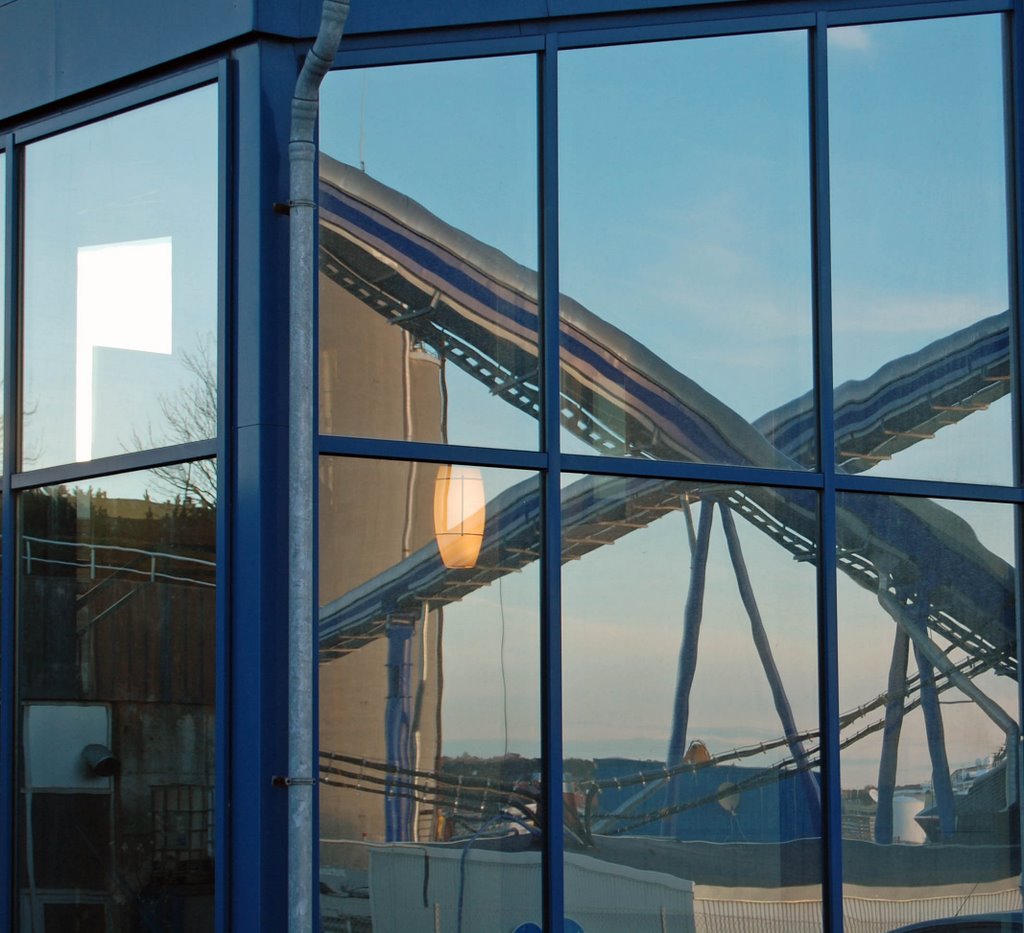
[{"x": 124, "y": 301}]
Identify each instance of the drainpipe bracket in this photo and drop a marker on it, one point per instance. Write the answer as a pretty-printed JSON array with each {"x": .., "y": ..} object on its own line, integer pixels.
[{"x": 279, "y": 780}]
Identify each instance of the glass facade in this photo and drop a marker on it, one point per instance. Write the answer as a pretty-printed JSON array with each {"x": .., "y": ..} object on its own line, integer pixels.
[
  {"x": 782, "y": 261},
  {"x": 709, "y": 776},
  {"x": 116, "y": 633},
  {"x": 929, "y": 779},
  {"x": 701, "y": 259},
  {"x": 120, "y": 284},
  {"x": 666, "y": 506},
  {"x": 429, "y": 691},
  {"x": 114, "y": 712},
  {"x": 414, "y": 231},
  {"x": 920, "y": 285}
]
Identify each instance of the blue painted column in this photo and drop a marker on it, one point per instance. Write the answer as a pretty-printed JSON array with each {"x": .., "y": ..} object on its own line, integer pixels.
[
  {"x": 692, "y": 617},
  {"x": 398, "y": 733},
  {"x": 936, "y": 734},
  {"x": 894, "y": 707},
  {"x": 257, "y": 698},
  {"x": 771, "y": 670}
]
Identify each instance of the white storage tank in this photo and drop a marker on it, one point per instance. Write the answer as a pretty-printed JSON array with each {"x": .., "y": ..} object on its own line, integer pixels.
[{"x": 905, "y": 827}]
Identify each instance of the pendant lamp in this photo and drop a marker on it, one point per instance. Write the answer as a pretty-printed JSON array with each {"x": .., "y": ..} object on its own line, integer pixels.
[{"x": 459, "y": 515}]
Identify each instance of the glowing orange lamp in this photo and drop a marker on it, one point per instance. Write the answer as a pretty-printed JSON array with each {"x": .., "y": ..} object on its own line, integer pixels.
[{"x": 459, "y": 515}]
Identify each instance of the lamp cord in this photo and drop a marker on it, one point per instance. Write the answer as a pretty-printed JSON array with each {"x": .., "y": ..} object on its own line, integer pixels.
[{"x": 504, "y": 683}]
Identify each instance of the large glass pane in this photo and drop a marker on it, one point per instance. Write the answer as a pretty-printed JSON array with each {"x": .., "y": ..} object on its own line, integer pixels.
[
  {"x": 116, "y": 683},
  {"x": 686, "y": 251},
  {"x": 428, "y": 252},
  {"x": 429, "y": 696},
  {"x": 691, "y": 742},
  {"x": 120, "y": 284},
  {"x": 929, "y": 698},
  {"x": 919, "y": 251}
]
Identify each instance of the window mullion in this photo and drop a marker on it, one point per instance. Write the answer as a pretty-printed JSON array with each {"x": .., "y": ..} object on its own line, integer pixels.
[
  {"x": 551, "y": 644},
  {"x": 828, "y": 666}
]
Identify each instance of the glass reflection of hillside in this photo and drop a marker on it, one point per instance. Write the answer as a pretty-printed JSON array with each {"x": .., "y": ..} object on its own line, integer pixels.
[{"x": 117, "y": 661}]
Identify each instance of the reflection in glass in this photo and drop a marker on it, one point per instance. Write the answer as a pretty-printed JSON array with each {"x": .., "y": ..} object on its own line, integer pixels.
[
  {"x": 116, "y": 680},
  {"x": 428, "y": 246},
  {"x": 927, "y": 686},
  {"x": 690, "y": 705},
  {"x": 919, "y": 249},
  {"x": 120, "y": 283},
  {"x": 429, "y": 698},
  {"x": 685, "y": 244}
]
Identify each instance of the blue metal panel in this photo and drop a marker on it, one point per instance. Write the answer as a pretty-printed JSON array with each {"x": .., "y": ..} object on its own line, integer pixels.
[
  {"x": 258, "y": 510},
  {"x": 98, "y": 42},
  {"x": 296, "y": 18},
  {"x": 54, "y": 49},
  {"x": 28, "y": 76}
]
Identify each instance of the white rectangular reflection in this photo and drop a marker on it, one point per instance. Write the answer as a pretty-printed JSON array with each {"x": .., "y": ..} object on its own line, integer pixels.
[{"x": 124, "y": 302}]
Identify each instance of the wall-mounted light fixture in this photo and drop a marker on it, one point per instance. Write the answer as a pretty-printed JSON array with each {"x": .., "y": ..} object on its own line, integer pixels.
[
  {"x": 459, "y": 515},
  {"x": 100, "y": 760}
]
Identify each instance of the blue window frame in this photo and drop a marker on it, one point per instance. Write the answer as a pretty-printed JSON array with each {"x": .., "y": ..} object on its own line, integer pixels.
[{"x": 255, "y": 81}]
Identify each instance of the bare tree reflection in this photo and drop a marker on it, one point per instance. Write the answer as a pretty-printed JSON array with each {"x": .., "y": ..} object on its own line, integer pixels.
[{"x": 189, "y": 415}]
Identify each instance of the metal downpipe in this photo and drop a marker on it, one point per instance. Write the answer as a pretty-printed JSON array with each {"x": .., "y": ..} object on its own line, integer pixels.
[{"x": 302, "y": 782}]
